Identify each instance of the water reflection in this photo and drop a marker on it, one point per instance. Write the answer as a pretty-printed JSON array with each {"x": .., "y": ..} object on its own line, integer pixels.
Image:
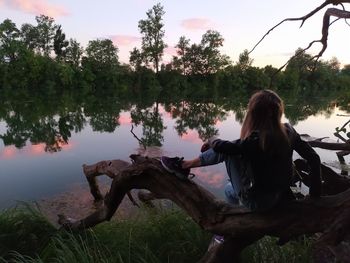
[
  {"x": 51, "y": 122},
  {"x": 201, "y": 117},
  {"x": 10, "y": 152},
  {"x": 152, "y": 124},
  {"x": 61, "y": 133}
]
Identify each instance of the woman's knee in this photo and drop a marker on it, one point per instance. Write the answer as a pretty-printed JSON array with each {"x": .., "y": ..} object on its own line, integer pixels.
[
  {"x": 231, "y": 195},
  {"x": 210, "y": 157}
]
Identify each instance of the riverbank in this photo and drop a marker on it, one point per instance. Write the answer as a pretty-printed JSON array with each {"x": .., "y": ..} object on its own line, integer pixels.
[{"x": 152, "y": 236}]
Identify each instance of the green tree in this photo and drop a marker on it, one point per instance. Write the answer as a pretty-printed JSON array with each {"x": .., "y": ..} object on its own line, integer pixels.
[
  {"x": 40, "y": 38},
  {"x": 244, "y": 61},
  {"x": 346, "y": 69},
  {"x": 46, "y": 30},
  {"x": 136, "y": 59},
  {"x": 300, "y": 69},
  {"x": 29, "y": 35},
  {"x": 180, "y": 63},
  {"x": 102, "y": 51},
  {"x": 334, "y": 65},
  {"x": 201, "y": 59},
  {"x": 73, "y": 53},
  {"x": 212, "y": 59},
  {"x": 9, "y": 40},
  {"x": 60, "y": 44},
  {"x": 101, "y": 63},
  {"x": 152, "y": 35},
  {"x": 193, "y": 58}
]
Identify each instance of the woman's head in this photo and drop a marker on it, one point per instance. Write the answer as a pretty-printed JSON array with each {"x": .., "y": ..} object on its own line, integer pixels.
[{"x": 264, "y": 112}]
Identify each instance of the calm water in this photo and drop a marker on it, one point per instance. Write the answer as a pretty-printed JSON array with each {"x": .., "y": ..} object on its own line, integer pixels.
[{"x": 43, "y": 145}]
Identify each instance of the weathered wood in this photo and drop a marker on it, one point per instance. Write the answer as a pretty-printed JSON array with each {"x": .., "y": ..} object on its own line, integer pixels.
[
  {"x": 111, "y": 169},
  {"x": 333, "y": 183},
  {"x": 333, "y": 146},
  {"x": 239, "y": 226}
]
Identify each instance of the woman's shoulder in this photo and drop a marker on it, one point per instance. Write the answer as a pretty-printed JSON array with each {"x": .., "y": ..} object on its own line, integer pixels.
[
  {"x": 290, "y": 129},
  {"x": 252, "y": 140},
  {"x": 293, "y": 135},
  {"x": 254, "y": 135}
]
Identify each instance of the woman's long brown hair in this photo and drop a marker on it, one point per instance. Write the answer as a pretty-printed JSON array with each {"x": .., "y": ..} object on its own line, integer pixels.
[{"x": 265, "y": 109}]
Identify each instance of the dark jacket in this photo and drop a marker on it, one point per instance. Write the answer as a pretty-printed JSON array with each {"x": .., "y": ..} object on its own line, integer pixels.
[{"x": 273, "y": 172}]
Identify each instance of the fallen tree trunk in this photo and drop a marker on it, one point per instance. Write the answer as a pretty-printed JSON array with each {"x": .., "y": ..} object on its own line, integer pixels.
[
  {"x": 334, "y": 146},
  {"x": 239, "y": 226}
]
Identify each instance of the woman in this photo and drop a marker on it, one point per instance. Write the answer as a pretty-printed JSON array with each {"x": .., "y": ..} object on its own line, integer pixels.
[{"x": 259, "y": 164}]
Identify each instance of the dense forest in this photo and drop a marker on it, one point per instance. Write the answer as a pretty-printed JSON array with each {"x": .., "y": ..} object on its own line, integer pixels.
[{"x": 40, "y": 59}]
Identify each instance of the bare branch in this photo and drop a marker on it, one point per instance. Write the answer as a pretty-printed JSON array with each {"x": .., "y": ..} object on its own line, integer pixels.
[
  {"x": 137, "y": 138},
  {"x": 303, "y": 19},
  {"x": 325, "y": 27}
]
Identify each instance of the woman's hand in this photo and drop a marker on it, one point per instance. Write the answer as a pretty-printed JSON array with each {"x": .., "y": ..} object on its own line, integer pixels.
[{"x": 205, "y": 147}]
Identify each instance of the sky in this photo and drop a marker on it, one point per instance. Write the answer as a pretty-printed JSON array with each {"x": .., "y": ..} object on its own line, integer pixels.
[{"x": 241, "y": 23}]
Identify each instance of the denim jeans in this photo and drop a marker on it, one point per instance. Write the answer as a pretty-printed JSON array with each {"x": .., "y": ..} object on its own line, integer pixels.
[
  {"x": 261, "y": 202},
  {"x": 233, "y": 188}
]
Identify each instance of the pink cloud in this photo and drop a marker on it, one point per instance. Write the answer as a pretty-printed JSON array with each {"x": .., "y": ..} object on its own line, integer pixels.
[
  {"x": 171, "y": 51},
  {"x": 37, "y": 7},
  {"x": 124, "y": 40},
  {"x": 197, "y": 24}
]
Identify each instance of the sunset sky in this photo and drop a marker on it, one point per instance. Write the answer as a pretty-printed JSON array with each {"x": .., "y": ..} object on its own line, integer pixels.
[{"x": 242, "y": 24}]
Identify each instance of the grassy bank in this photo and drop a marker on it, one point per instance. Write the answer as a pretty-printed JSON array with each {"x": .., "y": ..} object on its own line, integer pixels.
[{"x": 166, "y": 236}]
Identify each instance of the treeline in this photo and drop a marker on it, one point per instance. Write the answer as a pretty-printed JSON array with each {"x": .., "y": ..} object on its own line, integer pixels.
[{"x": 39, "y": 58}]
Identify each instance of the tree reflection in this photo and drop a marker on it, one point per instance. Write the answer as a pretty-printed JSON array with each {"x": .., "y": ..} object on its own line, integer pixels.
[
  {"x": 301, "y": 104},
  {"x": 38, "y": 119},
  {"x": 201, "y": 117},
  {"x": 103, "y": 113},
  {"x": 152, "y": 124}
]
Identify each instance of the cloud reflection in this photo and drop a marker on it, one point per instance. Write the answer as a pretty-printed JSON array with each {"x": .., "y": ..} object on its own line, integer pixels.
[
  {"x": 8, "y": 152},
  {"x": 207, "y": 176},
  {"x": 124, "y": 119},
  {"x": 191, "y": 136},
  {"x": 11, "y": 152}
]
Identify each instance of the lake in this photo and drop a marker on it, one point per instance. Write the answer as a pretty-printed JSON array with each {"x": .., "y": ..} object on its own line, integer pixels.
[{"x": 44, "y": 142}]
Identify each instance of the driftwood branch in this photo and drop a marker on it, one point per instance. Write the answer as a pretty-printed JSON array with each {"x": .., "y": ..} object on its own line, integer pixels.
[
  {"x": 239, "y": 226},
  {"x": 334, "y": 146}
]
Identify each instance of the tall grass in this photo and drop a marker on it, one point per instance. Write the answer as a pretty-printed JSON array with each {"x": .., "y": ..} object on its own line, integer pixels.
[
  {"x": 24, "y": 229},
  {"x": 267, "y": 250},
  {"x": 166, "y": 236},
  {"x": 150, "y": 237}
]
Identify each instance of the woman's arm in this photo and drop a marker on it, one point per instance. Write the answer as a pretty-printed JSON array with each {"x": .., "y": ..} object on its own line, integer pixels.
[
  {"x": 313, "y": 160},
  {"x": 226, "y": 147}
]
